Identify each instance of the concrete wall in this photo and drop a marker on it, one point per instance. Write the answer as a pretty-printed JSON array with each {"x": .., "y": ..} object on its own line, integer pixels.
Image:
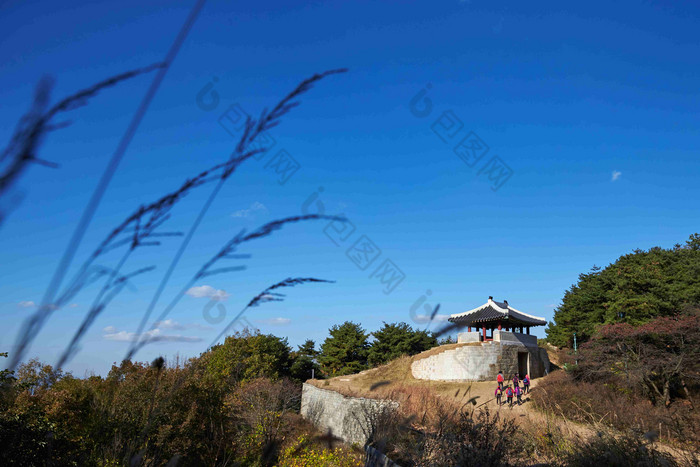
[
  {"x": 348, "y": 418},
  {"x": 480, "y": 362}
]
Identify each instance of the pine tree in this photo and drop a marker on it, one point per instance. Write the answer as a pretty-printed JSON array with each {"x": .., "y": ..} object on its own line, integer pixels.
[
  {"x": 638, "y": 287},
  {"x": 305, "y": 362},
  {"x": 397, "y": 339},
  {"x": 345, "y": 351}
]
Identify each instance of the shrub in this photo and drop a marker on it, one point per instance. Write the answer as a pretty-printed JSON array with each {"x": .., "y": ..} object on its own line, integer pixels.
[
  {"x": 615, "y": 406},
  {"x": 304, "y": 453},
  {"x": 619, "y": 450}
]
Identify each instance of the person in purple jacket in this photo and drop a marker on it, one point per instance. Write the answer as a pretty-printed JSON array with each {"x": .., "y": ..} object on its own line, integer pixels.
[{"x": 509, "y": 396}]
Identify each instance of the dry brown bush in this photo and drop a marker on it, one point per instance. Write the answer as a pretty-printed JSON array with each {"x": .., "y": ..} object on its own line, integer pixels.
[{"x": 616, "y": 407}]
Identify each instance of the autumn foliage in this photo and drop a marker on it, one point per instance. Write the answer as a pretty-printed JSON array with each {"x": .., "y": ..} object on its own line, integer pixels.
[
  {"x": 645, "y": 378},
  {"x": 235, "y": 402}
]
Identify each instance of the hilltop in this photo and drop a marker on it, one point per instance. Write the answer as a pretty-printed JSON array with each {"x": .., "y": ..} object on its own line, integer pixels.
[{"x": 545, "y": 436}]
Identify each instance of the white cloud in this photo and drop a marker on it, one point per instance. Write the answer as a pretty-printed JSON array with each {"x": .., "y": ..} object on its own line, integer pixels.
[
  {"x": 169, "y": 324},
  {"x": 31, "y": 304},
  {"x": 255, "y": 207},
  {"x": 207, "y": 291},
  {"x": 174, "y": 325},
  {"x": 276, "y": 321},
  {"x": 615, "y": 175},
  {"x": 426, "y": 319},
  {"x": 121, "y": 336},
  {"x": 155, "y": 335},
  {"x": 73, "y": 305}
]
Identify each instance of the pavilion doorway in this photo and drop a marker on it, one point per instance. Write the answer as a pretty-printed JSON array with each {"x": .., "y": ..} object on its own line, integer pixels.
[{"x": 523, "y": 364}]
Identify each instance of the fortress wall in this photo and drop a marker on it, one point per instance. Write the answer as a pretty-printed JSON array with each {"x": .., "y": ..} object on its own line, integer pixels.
[
  {"x": 348, "y": 418},
  {"x": 467, "y": 363},
  {"x": 479, "y": 362}
]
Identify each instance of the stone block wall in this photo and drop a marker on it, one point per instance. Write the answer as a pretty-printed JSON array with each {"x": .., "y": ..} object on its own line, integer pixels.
[{"x": 348, "y": 418}]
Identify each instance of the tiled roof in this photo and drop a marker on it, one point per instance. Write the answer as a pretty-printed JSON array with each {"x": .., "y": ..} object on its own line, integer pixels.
[{"x": 494, "y": 311}]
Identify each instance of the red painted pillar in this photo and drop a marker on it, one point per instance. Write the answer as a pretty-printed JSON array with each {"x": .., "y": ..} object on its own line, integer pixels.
[
  {"x": 469, "y": 329},
  {"x": 499, "y": 326},
  {"x": 483, "y": 332}
]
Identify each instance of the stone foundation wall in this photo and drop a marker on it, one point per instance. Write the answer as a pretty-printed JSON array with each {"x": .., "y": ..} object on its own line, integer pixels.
[
  {"x": 348, "y": 418},
  {"x": 480, "y": 362}
]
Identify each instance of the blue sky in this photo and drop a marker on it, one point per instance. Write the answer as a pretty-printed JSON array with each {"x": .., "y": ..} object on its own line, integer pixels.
[{"x": 593, "y": 109}]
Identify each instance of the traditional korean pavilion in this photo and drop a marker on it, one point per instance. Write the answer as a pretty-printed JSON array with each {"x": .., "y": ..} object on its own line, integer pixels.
[{"x": 497, "y": 315}]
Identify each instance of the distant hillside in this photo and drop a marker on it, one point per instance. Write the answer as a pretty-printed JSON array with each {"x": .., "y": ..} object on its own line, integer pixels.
[{"x": 634, "y": 289}]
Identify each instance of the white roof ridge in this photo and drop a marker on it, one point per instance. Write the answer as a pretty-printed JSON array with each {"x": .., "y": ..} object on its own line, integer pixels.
[
  {"x": 494, "y": 305},
  {"x": 465, "y": 313},
  {"x": 529, "y": 316}
]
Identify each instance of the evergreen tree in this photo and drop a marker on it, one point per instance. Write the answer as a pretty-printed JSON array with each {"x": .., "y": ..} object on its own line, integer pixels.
[
  {"x": 447, "y": 340},
  {"x": 635, "y": 289},
  {"x": 397, "y": 339},
  {"x": 305, "y": 362},
  {"x": 246, "y": 356},
  {"x": 345, "y": 351}
]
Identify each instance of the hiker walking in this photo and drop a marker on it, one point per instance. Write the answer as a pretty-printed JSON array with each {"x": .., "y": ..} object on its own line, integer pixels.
[
  {"x": 518, "y": 394},
  {"x": 499, "y": 378},
  {"x": 509, "y": 396},
  {"x": 516, "y": 380},
  {"x": 498, "y": 395},
  {"x": 526, "y": 384}
]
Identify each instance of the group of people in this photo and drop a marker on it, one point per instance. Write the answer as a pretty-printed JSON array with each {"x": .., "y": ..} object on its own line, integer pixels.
[{"x": 509, "y": 391}]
